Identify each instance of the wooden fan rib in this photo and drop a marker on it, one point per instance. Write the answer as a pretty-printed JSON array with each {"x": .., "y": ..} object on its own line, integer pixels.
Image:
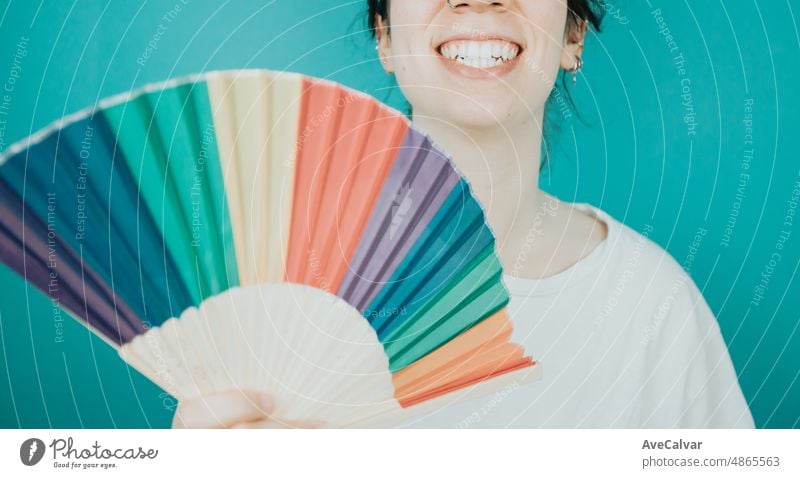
[
  {"x": 165, "y": 366},
  {"x": 334, "y": 327},
  {"x": 206, "y": 346}
]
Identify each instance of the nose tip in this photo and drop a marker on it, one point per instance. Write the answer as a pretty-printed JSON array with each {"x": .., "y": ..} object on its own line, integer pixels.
[{"x": 477, "y": 4}]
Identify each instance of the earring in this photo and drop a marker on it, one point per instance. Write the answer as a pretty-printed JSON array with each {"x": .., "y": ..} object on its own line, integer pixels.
[
  {"x": 377, "y": 47},
  {"x": 576, "y": 69}
]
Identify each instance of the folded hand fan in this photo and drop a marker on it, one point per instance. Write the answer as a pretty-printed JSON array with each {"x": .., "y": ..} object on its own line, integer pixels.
[{"x": 266, "y": 231}]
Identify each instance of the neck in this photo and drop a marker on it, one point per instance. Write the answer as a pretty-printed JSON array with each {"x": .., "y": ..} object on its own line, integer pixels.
[{"x": 501, "y": 164}]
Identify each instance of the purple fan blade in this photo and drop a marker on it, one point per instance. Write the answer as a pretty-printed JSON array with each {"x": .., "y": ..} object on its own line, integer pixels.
[
  {"x": 420, "y": 180},
  {"x": 82, "y": 290},
  {"x": 38, "y": 274}
]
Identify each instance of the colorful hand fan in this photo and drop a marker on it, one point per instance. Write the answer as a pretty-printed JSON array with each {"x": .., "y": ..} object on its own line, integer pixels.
[{"x": 270, "y": 231}]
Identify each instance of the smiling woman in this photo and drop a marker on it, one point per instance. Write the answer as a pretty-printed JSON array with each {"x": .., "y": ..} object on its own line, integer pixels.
[{"x": 624, "y": 336}]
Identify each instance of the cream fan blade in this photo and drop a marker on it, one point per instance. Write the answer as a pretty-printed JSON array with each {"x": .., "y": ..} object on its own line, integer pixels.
[
  {"x": 255, "y": 116},
  {"x": 314, "y": 353}
]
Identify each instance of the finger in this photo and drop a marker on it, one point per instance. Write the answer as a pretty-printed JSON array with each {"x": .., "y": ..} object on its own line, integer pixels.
[
  {"x": 222, "y": 410},
  {"x": 279, "y": 424}
]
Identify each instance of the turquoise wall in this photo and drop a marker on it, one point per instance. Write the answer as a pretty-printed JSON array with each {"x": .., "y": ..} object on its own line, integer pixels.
[{"x": 679, "y": 144}]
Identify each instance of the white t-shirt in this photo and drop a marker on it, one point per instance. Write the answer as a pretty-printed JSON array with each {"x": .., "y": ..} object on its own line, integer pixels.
[{"x": 625, "y": 340}]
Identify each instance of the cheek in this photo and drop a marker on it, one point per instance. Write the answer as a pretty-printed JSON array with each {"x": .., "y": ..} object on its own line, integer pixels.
[
  {"x": 404, "y": 57},
  {"x": 412, "y": 21},
  {"x": 413, "y": 60},
  {"x": 547, "y": 22},
  {"x": 542, "y": 61}
]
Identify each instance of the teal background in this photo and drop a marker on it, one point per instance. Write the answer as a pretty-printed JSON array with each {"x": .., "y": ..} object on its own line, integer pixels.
[{"x": 631, "y": 156}]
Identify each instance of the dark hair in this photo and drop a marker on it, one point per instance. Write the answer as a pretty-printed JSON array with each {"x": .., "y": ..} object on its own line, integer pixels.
[{"x": 589, "y": 11}]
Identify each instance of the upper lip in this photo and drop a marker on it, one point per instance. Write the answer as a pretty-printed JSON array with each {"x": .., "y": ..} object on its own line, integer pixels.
[{"x": 478, "y": 36}]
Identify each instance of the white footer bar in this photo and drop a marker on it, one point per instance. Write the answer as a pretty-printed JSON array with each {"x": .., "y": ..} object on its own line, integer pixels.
[{"x": 400, "y": 453}]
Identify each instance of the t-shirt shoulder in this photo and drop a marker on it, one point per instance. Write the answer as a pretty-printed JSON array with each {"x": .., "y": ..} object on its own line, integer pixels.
[
  {"x": 691, "y": 382},
  {"x": 632, "y": 252}
]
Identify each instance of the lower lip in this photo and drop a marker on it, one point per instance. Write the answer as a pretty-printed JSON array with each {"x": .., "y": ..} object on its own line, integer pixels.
[{"x": 487, "y": 73}]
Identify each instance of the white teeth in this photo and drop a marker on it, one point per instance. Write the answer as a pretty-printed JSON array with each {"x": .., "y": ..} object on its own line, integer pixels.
[
  {"x": 473, "y": 49},
  {"x": 479, "y": 54},
  {"x": 505, "y": 52}
]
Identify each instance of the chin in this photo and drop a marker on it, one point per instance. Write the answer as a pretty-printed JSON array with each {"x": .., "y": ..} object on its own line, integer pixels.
[
  {"x": 467, "y": 105},
  {"x": 471, "y": 108},
  {"x": 479, "y": 112}
]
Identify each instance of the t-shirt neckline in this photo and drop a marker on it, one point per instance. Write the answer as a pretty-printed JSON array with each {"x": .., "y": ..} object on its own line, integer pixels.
[{"x": 575, "y": 273}]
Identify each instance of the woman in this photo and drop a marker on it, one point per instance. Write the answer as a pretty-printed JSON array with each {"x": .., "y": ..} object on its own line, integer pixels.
[{"x": 625, "y": 337}]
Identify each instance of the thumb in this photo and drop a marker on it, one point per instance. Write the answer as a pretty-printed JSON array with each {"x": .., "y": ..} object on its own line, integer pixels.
[{"x": 222, "y": 410}]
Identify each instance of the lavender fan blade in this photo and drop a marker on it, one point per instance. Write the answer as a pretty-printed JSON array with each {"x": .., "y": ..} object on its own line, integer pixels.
[{"x": 420, "y": 181}]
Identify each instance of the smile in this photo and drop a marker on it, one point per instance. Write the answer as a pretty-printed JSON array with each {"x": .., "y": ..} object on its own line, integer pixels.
[{"x": 479, "y": 54}]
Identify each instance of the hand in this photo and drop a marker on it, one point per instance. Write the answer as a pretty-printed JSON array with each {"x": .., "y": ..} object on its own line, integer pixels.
[{"x": 232, "y": 409}]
